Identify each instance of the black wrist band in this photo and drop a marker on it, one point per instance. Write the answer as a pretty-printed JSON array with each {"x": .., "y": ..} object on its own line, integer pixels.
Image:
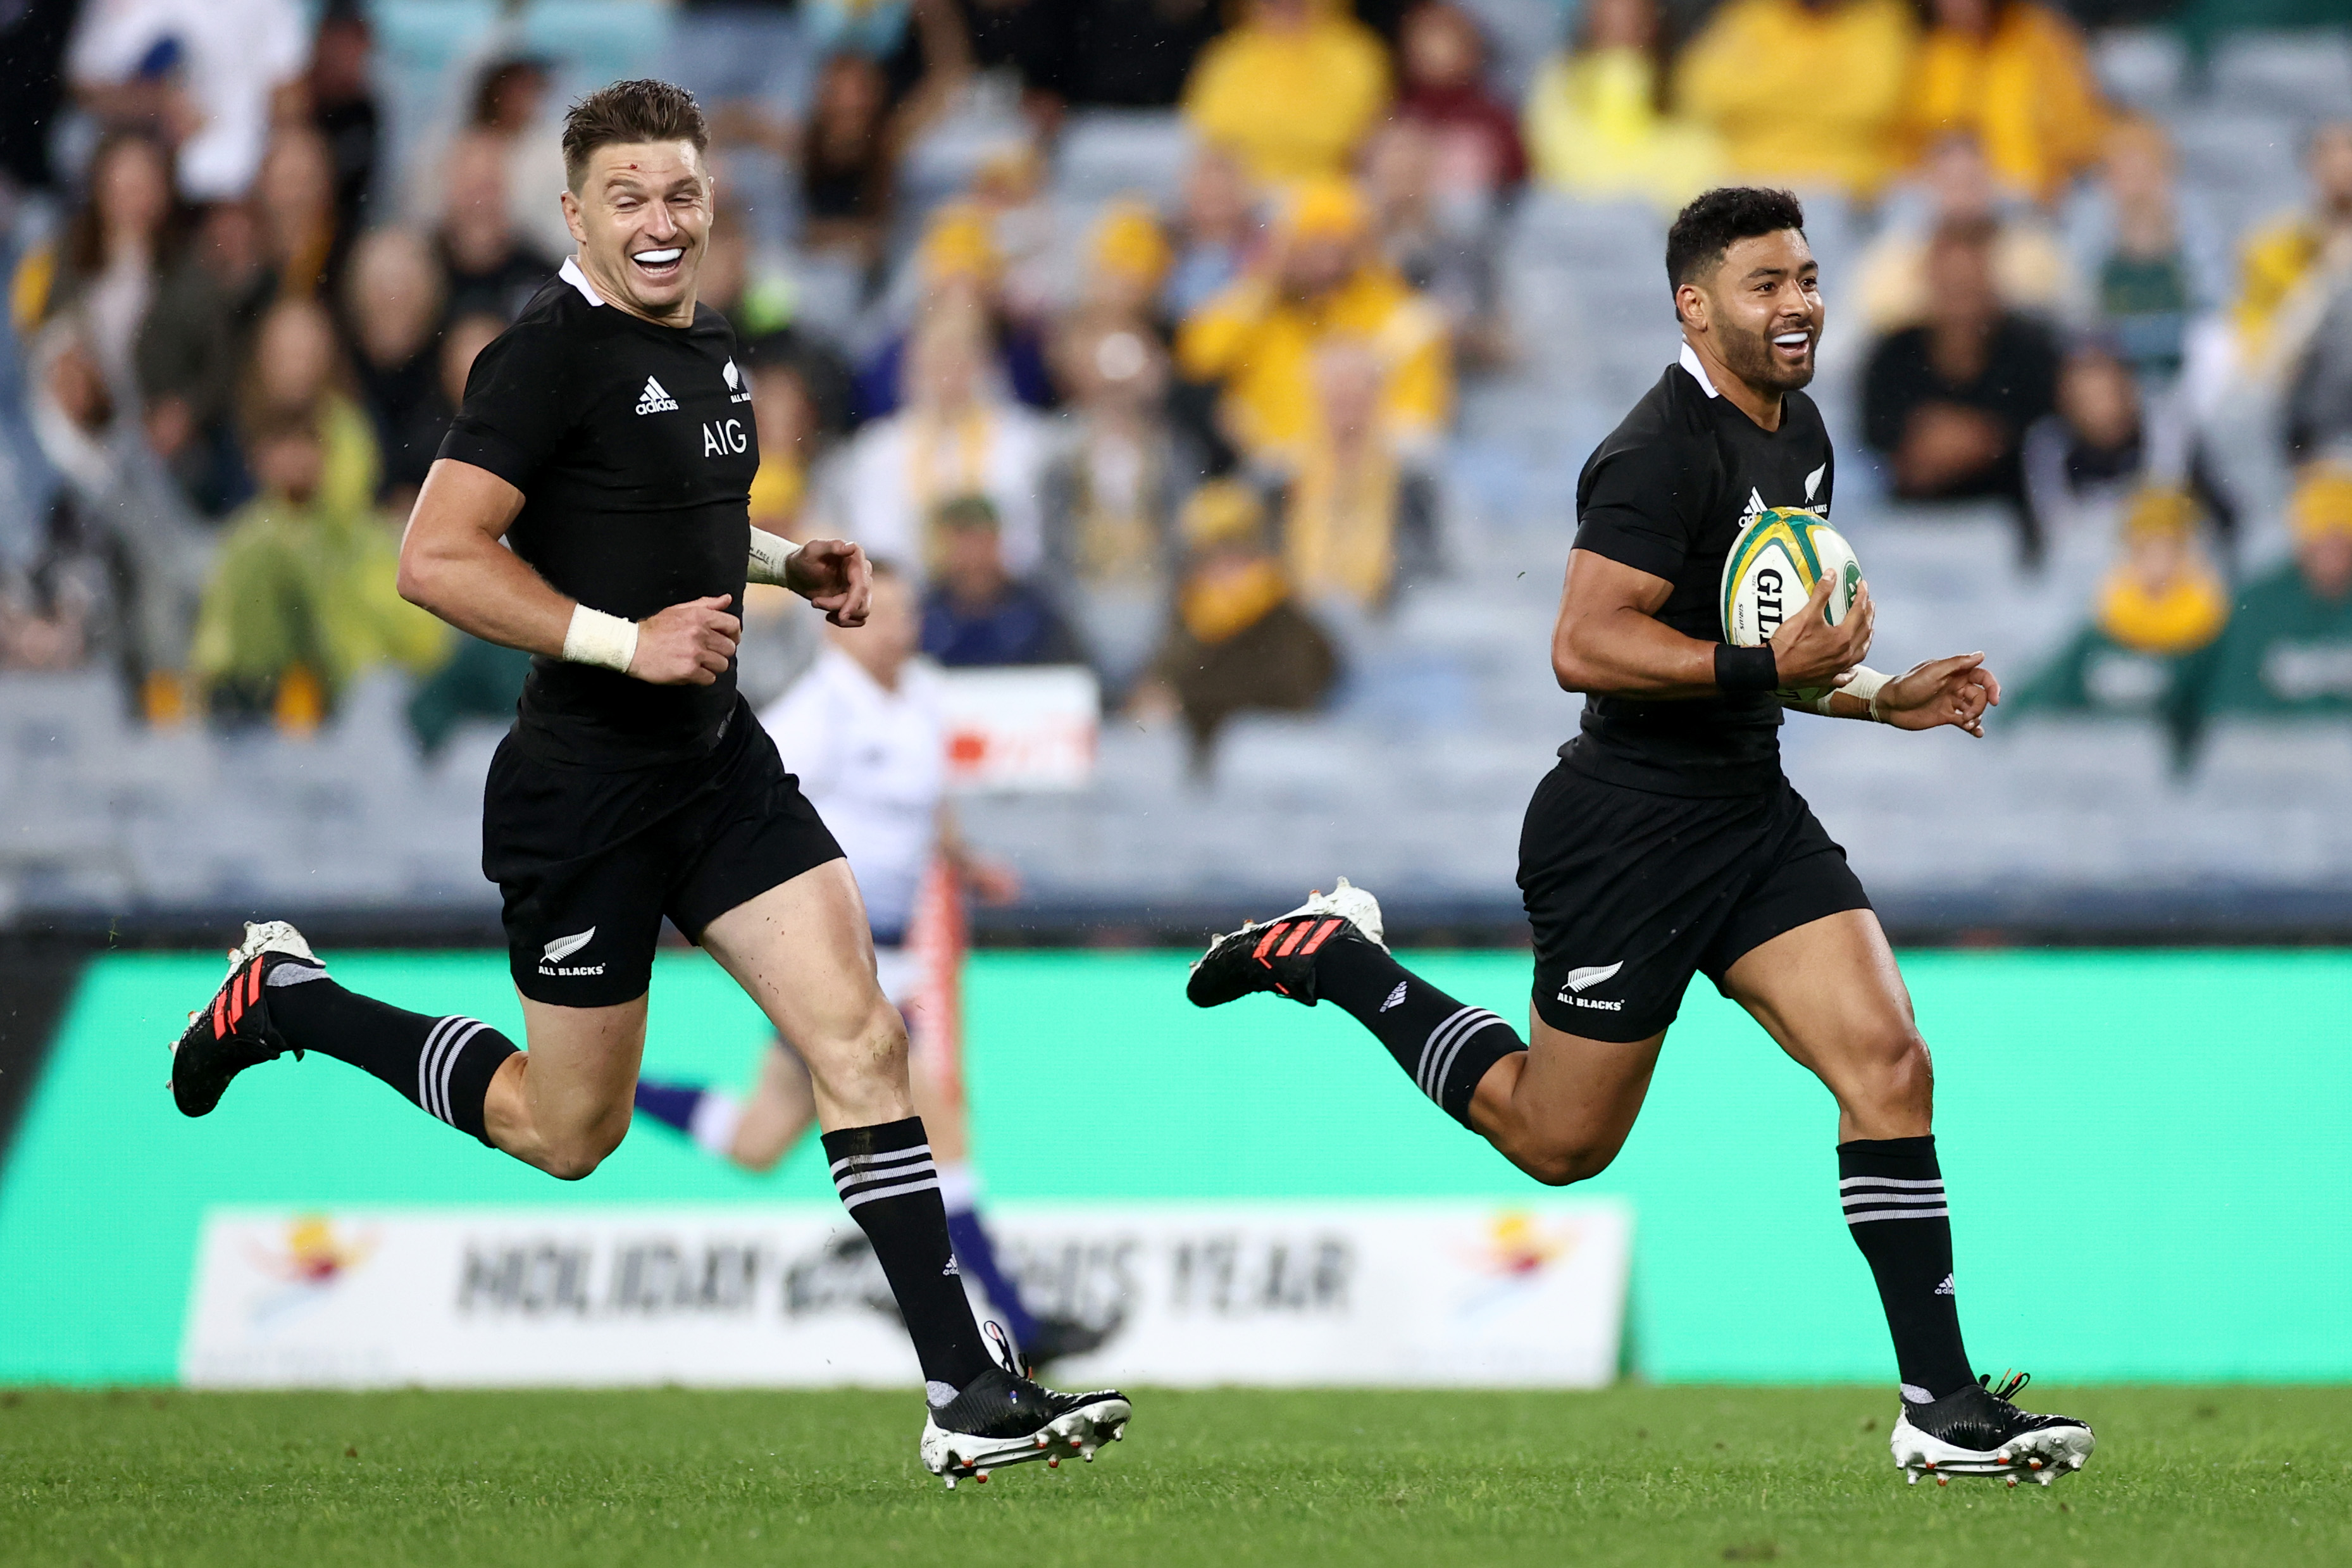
[{"x": 1746, "y": 669}]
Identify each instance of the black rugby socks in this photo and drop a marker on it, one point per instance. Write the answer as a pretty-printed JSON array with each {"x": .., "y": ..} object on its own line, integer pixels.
[
  {"x": 1893, "y": 1197},
  {"x": 889, "y": 1187},
  {"x": 443, "y": 1065},
  {"x": 1443, "y": 1046}
]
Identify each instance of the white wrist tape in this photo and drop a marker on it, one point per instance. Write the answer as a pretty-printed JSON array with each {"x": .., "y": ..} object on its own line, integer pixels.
[
  {"x": 597, "y": 638},
  {"x": 1865, "y": 684},
  {"x": 770, "y": 557}
]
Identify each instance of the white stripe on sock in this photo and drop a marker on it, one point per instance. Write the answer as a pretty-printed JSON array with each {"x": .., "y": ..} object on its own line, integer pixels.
[
  {"x": 1888, "y": 1182},
  {"x": 1896, "y": 1214},
  {"x": 928, "y": 1184},
  {"x": 1880, "y": 1200},
  {"x": 1477, "y": 1026},
  {"x": 450, "y": 1052},
  {"x": 849, "y": 1185},
  {"x": 426, "y": 1060},
  {"x": 1428, "y": 1047},
  {"x": 872, "y": 1161}
]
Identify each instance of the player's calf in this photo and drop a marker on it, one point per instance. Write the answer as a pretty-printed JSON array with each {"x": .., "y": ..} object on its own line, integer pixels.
[{"x": 1555, "y": 1162}]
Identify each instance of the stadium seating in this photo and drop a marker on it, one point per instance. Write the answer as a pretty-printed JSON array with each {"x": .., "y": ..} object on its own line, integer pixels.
[{"x": 1414, "y": 781}]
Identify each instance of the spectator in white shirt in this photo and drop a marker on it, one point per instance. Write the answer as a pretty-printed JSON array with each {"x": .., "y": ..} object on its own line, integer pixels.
[{"x": 208, "y": 75}]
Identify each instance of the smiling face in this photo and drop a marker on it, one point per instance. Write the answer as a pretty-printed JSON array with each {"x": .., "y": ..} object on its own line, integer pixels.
[
  {"x": 642, "y": 217},
  {"x": 1761, "y": 309}
]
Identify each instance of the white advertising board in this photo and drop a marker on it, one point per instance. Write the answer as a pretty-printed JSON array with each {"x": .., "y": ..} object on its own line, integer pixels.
[
  {"x": 1021, "y": 729},
  {"x": 1406, "y": 1294}
]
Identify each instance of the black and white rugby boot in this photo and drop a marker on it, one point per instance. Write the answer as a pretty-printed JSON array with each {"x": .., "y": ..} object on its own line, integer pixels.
[
  {"x": 1002, "y": 1417},
  {"x": 232, "y": 1032},
  {"x": 1978, "y": 1432},
  {"x": 1279, "y": 955}
]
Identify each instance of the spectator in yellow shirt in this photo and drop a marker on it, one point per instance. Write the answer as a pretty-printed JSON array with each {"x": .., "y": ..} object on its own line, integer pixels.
[
  {"x": 1597, "y": 123},
  {"x": 2281, "y": 258},
  {"x": 1804, "y": 92},
  {"x": 2016, "y": 75},
  {"x": 1293, "y": 90},
  {"x": 1319, "y": 281}
]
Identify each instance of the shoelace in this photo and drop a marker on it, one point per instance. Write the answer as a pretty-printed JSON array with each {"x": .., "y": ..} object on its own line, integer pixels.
[
  {"x": 2011, "y": 1384},
  {"x": 1000, "y": 1346}
]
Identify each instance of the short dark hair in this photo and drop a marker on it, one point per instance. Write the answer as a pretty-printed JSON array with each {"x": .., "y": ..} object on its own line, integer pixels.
[
  {"x": 641, "y": 110},
  {"x": 1716, "y": 219}
]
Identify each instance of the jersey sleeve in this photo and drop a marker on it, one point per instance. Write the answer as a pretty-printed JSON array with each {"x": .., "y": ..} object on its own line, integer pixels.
[
  {"x": 517, "y": 404},
  {"x": 1633, "y": 511}
]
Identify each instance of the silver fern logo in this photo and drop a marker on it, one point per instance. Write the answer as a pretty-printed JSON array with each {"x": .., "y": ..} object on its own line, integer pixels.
[
  {"x": 564, "y": 947},
  {"x": 1586, "y": 979}
]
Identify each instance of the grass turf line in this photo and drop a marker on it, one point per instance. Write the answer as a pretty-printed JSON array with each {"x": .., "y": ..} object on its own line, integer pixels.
[{"x": 1633, "y": 1476}]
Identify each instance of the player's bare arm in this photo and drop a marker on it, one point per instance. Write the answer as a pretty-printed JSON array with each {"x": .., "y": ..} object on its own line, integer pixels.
[
  {"x": 453, "y": 563},
  {"x": 1609, "y": 641}
]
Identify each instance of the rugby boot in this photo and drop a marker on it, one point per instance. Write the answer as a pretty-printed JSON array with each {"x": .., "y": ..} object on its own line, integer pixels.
[
  {"x": 1978, "y": 1432},
  {"x": 232, "y": 1032},
  {"x": 1279, "y": 955},
  {"x": 1003, "y": 1417}
]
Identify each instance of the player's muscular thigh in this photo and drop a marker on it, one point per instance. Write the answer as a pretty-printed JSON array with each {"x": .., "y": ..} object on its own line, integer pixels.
[{"x": 1830, "y": 993}]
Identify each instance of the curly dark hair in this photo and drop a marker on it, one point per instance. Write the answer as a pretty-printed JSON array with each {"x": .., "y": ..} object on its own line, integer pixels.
[
  {"x": 1716, "y": 219},
  {"x": 641, "y": 110}
]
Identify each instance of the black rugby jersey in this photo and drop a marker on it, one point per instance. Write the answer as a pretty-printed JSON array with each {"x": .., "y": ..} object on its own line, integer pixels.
[
  {"x": 633, "y": 446},
  {"x": 1667, "y": 493}
]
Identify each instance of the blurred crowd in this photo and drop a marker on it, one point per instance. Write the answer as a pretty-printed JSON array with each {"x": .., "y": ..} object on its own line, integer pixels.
[{"x": 1186, "y": 441}]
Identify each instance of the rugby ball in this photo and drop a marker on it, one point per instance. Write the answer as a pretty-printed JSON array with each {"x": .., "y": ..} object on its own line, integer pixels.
[{"x": 1771, "y": 570}]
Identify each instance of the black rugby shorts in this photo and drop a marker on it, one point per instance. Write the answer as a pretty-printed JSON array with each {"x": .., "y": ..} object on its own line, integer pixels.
[
  {"x": 589, "y": 861},
  {"x": 1632, "y": 893}
]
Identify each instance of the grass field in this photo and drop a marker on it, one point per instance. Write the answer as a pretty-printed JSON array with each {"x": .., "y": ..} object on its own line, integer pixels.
[{"x": 1633, "y": 1476}]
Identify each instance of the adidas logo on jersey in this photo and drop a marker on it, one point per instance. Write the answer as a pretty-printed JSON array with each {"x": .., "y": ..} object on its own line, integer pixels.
[
  {"x": 654, "y": 399},
  {"x": 1396, "y": 997},
  {"x": 1945, "y": 1288}
]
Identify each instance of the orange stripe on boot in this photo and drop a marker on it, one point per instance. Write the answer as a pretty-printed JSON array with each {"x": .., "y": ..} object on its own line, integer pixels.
[
  {"x": 1267, "y": 940},
  {"x": 1322, "y": 934},
  {"x": 1297, "y": 935}
]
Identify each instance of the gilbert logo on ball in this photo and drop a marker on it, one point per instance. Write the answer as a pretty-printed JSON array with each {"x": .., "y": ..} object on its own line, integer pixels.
[{"x": 1770, "y": 574}]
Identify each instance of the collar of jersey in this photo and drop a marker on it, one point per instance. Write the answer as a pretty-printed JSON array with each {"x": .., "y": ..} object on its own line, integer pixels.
[
  {"x": 570, "y": 272},
  {"x": 1689, "y": 360}
]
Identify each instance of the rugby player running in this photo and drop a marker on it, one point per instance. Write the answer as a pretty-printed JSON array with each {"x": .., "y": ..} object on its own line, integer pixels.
[
  {"x": 590, "y": 505},
  {"x": 1667, "y": 842}
]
